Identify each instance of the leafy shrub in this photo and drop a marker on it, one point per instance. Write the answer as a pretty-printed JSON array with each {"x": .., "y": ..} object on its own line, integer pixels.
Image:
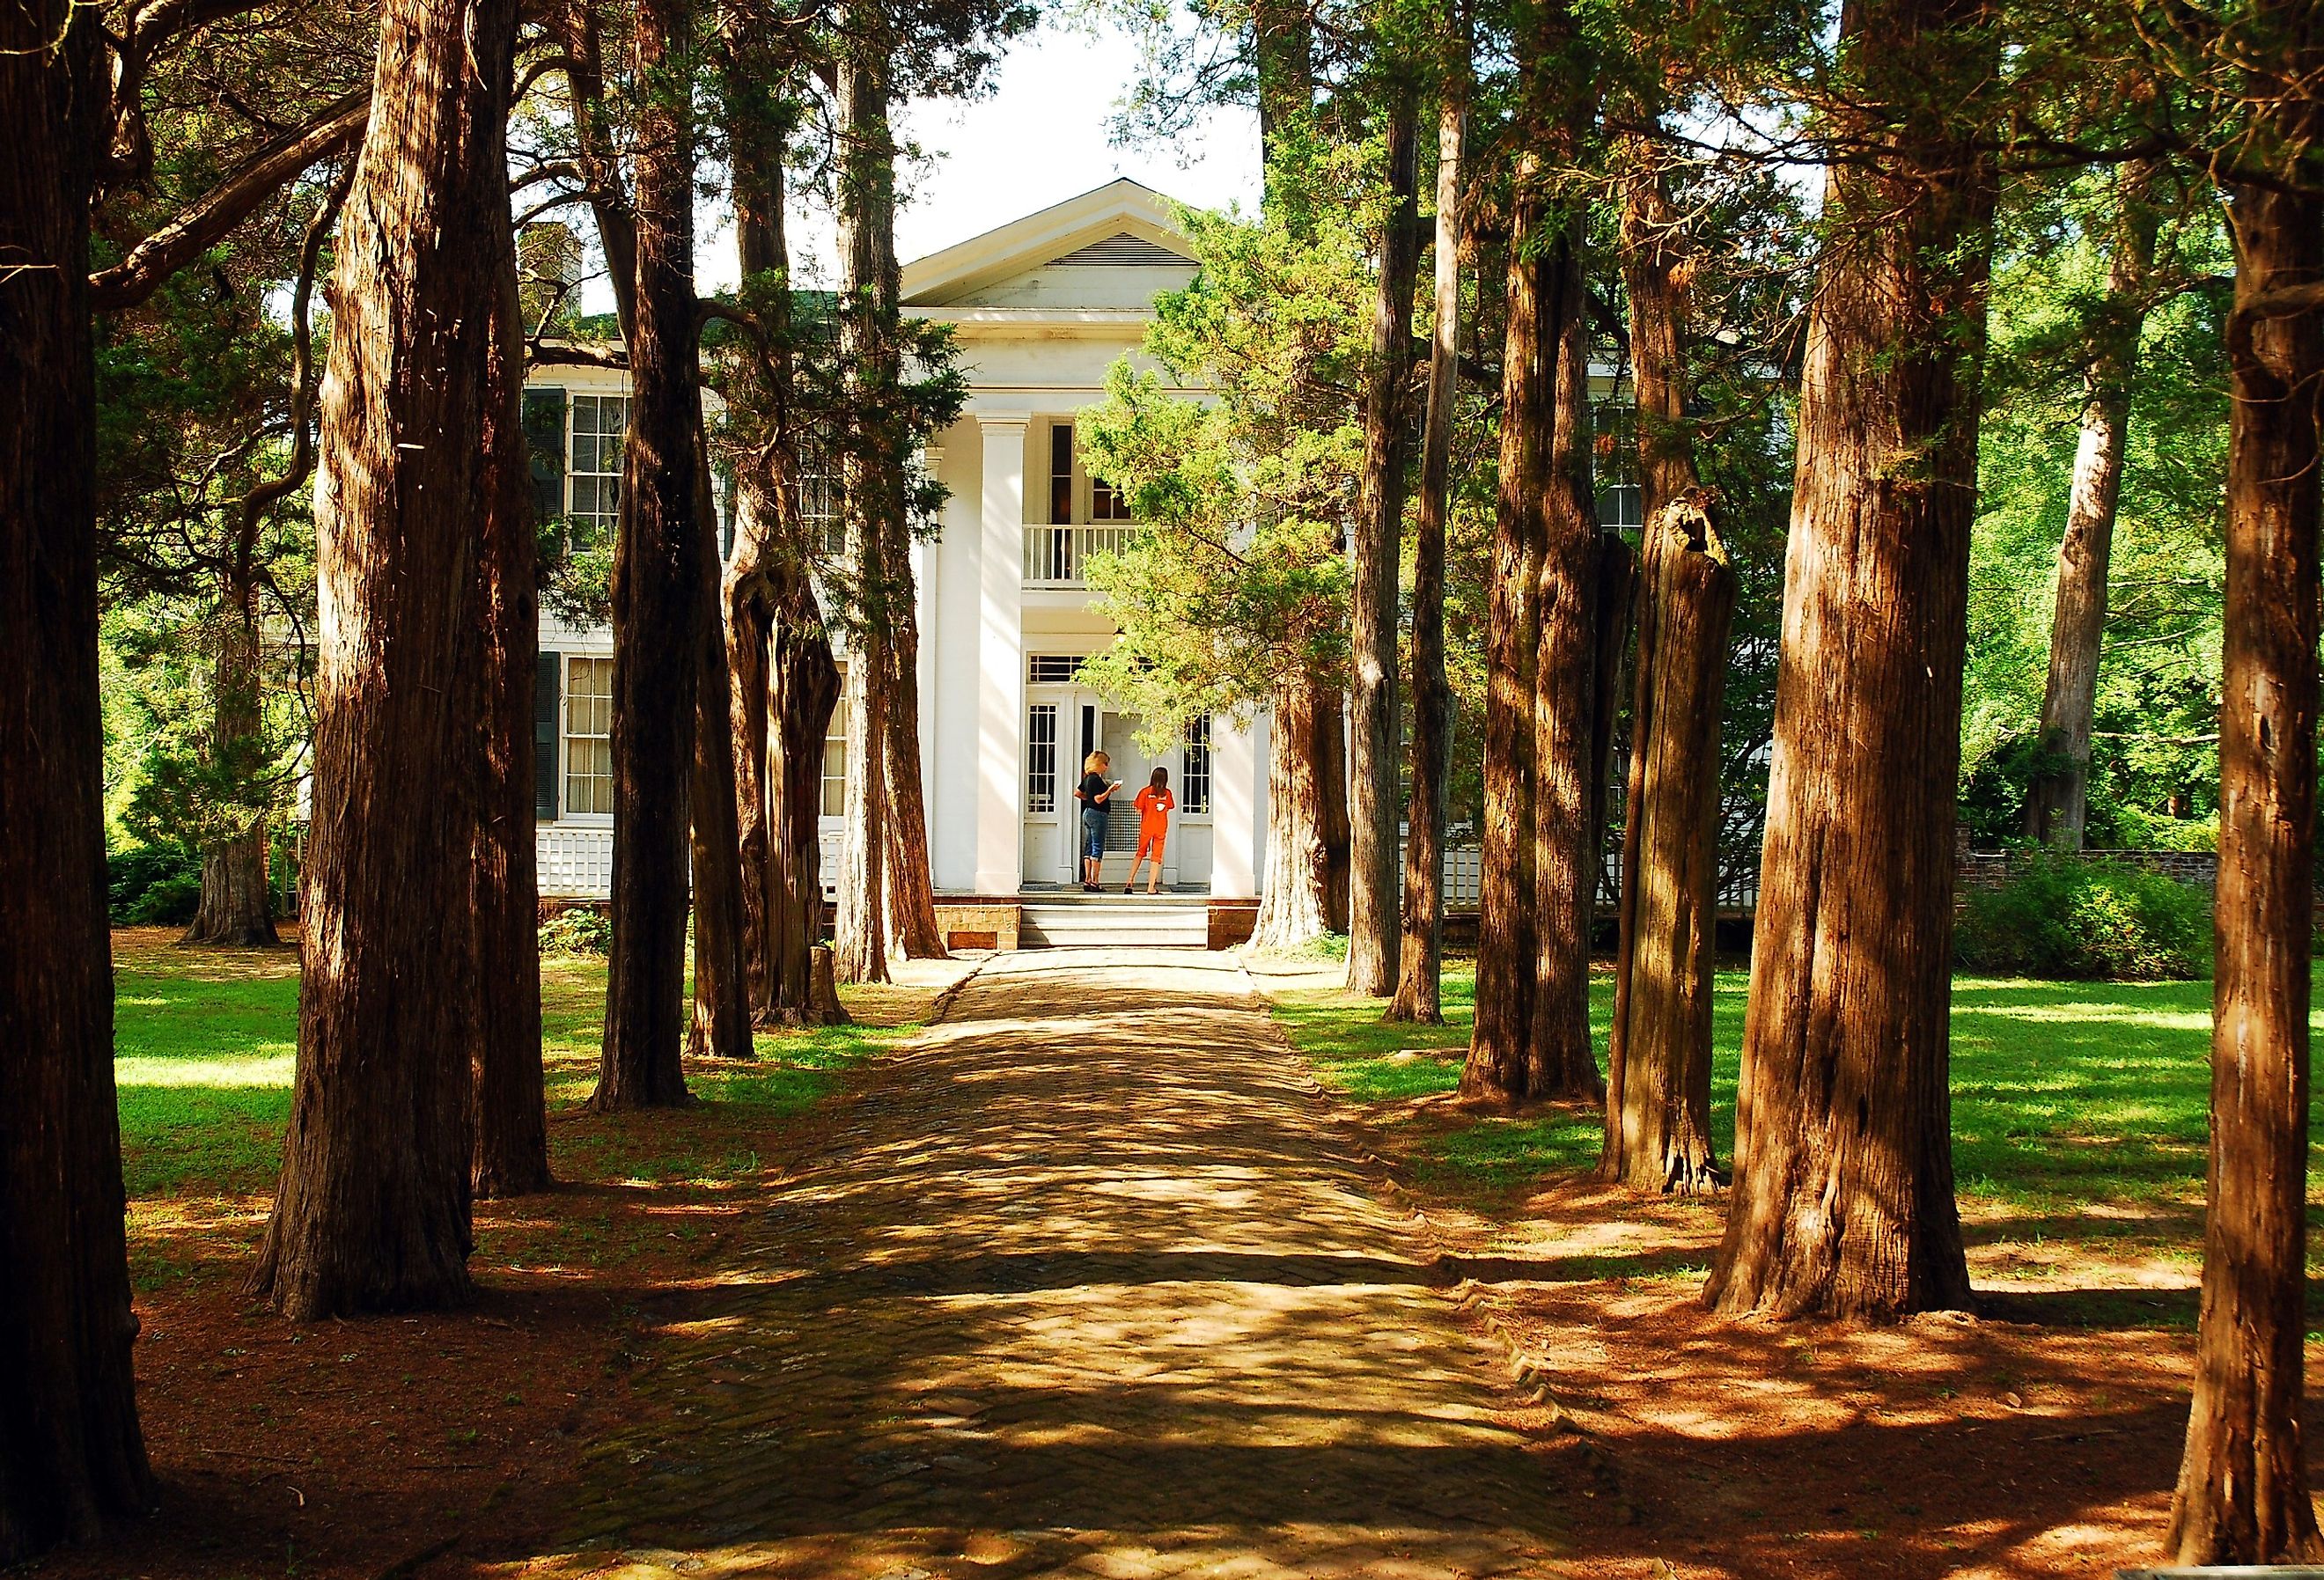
[
  {"x": 581, "y": 931},
  {"x": 153, "y": 885},
  {"x": 2086, "y": 921}
]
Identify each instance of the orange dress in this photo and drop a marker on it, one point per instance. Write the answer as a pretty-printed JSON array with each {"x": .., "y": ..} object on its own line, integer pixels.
[{"x": 1154, "y": 809}]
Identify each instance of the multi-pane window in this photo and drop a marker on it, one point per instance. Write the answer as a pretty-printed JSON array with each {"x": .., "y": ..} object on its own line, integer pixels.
[
  {"x": 1614, "y": 463},
  {"x": 819, "y": 497},
  {"x": 1041, "y": 758},
  {"x": 1052, "y": 668},
  {"x": 1107, "y": 503},
  {"x": 595, "y": 478},
  {"x": 834, "y": 763},
  {"x": 1194, "y": 792},
  {"x": 589, "y": 736}
]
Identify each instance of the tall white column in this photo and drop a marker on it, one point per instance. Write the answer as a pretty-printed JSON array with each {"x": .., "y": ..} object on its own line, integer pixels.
[
  {"x": 1000, "y": 660},
  {"x": 1238, "y": 807}
]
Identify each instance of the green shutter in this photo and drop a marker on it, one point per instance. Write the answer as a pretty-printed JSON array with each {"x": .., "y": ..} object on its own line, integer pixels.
[
  {"x": 544, "y": 437},
  {"x": 544, "y": 736}
]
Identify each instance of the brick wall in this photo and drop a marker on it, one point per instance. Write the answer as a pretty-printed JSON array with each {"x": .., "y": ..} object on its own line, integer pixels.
[{"x": 1991, "y": 869}]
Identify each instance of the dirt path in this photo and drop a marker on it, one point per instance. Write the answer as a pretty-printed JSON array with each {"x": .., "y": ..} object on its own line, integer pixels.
[{"x": 1080, "y": 1286}]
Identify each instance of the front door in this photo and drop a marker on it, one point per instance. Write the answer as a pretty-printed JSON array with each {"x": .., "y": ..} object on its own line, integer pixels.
[{"x": 1133, "y": 767}]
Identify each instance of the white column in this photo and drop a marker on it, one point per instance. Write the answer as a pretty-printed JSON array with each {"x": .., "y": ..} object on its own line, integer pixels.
[
  {"x": 1000, "y": 660},
  {"x": 927, "y": 595},
  {"x": 1237, "y": 806}
]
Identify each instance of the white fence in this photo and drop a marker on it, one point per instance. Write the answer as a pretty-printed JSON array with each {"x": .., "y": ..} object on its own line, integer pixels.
[{"x": 1056, "y": 557}]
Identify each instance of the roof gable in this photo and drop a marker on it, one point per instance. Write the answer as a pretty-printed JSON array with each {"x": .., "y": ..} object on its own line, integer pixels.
[{"x": 1122, "y": 225}]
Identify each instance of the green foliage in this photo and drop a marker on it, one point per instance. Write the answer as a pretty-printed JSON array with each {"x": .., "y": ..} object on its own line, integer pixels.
[
  {"x": 579, "y": 930},
  {"x": 2086, "y": 921},
  {"x": 153, "y": 885}
]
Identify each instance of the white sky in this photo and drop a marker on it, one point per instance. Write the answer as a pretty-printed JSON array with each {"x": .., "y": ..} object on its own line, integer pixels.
[{"x": 1038, "y": 138}]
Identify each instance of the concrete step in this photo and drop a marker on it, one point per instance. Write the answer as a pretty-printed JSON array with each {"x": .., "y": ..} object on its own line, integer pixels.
[{"x": 1090, "y": 921}]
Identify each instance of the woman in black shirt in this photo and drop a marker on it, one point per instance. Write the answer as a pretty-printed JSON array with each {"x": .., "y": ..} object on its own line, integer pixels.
[{"x": 1093, "y": 792}]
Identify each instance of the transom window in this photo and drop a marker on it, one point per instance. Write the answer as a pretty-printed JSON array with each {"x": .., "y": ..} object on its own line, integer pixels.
[
  {"x": 595, "y": 480},
  {"x": 1052, "y": 668},
  {"x": 589, "y": 736}
]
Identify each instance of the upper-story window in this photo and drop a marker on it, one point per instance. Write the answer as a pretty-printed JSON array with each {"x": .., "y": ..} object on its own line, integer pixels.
[
  {"x": 1614, "y": 463},
  {"x": 595, "y": 478},
  {"x": 1061, "y": 475},
  {"x": 1107, "y": 503}
]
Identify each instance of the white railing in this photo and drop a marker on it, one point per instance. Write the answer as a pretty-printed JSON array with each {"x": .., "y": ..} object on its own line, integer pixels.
[
  {"x": 1056, "y": 557},
  {"x": 575, "y": 863}
]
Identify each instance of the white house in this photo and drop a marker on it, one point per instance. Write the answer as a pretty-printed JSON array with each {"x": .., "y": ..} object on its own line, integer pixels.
[{"x": 1041, "y": 306}]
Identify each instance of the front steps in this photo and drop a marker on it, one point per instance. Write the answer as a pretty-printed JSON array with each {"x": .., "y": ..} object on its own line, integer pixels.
[{"x": 1070, "y": 919}]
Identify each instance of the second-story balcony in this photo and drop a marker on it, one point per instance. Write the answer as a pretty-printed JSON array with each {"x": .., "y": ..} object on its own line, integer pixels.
[{"x": 1058, "y": 556}]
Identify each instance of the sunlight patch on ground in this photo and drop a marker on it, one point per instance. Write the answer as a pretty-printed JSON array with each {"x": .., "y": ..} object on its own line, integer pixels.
[{"x": 268, "y": 1069}]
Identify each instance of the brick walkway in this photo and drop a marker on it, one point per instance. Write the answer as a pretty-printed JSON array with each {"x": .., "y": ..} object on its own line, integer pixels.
[{"x": 1080, "y": 1286}]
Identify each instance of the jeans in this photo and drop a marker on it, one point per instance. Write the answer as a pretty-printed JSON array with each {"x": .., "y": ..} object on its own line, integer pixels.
[{"x": 1094, "y": 832}]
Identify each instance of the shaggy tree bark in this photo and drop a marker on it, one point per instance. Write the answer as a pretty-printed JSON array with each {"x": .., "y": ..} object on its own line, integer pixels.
[
  {"x": 807, "y": 689},
  {"x": 372, "y": 1210},
  {"x": 511, "y": 1113},
  {"x": 2243, "y": 1487},
  {"x": 1373, "y": 935},
  {"x": 72, "y": 1459},
  {"x": 861, "y": 935},
  {"x": 658, "y": 599},
  {"x": 2057, "y": 803},
  {"x": 1294, "y": 903},
  {"x": 1327, "y": 766},
  {"x": 1843, "y": 1199},
  {"x": 1495, "y": 1071},
  {"x": 1659, "y": 1055},
  {"x": 1560, "y": 1063},
  {"x": 1422, "y": 966},
  {"x": 719, "y": 1024}
]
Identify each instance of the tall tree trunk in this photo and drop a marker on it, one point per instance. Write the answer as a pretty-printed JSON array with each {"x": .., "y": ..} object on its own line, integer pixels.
[
  {"x": 237, "y": 907},
  {"x": 658, "y": 600},
  {"x": 598, "y": 155},
  {"x": 807, "y": 690},
  {"x": 745, "y": 596},
  {"x": 511, "y": 1112},
  {"x": 1422, "y": 966},
  {"x": 1293, "y": 898},
  {"x": 2057, "y": 803},
  {"x": 1658, "y": 1055},
  {"x": 2243, "y": 1487},
  {"x": 861, "y": 935},
  {"x": 719, "y": 1024},
  {"x": 72, "y": 1459},
  {"x": 911, "y": 882},
  {"x": 1614, "y": 610},
  {"x": 1843, "y": 1199},
  {"x": 1559, "y": 1062},
  {"x": 1659, "y": 1045},
  {"x": 1373, "y": 925},
  {"x": 372, "y": 1210},
  {"x": 1327, "y": 768},
  {"x": 1495, "y": 1071}
]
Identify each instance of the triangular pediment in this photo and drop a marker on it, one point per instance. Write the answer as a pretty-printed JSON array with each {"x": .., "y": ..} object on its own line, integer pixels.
[{"x": 1122, "y": 225}]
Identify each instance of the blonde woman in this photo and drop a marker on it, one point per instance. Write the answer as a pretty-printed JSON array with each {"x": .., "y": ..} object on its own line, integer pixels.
[{"x": 1093, "y": 792}]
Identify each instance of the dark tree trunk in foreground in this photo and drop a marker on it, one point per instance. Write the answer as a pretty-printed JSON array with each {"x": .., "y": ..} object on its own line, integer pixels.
[
  {"x": 372, "y": 1211},
  {"x": 1843, "y": 1201},
  {"x": 2243, "y": 1487},
  {"x": 72, "y": 1459},
  {"x": 1560, "y": 1063},
  {"x": 1495, "y": 1071},
  {"x": 719, "y": 1024},
  {"x": 1373, "y": 925},
  {"x": 511, "y": 1104},
  {"x": 657, "y": 603},
  {"x": 2057, "y": 803},
  {"x": 806, "y": 691},
  {"x": 1293, "y": 898},
  {"x": 1659, "y": 1046},
  {"x": 1327, "y": 768},
  {"x": 861, "y": 934},
  {"x": 237, "y": 908},
  {"x": 1658, "y": 1055},
  {"x": 1422, "y": 966}
]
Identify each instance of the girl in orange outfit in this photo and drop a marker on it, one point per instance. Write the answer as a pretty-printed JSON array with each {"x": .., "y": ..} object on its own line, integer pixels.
[{"x": 1154, "y": 804}]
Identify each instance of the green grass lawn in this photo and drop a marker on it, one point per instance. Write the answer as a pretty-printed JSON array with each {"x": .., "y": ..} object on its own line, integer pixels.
[
  {"x": 2065, "y": 1095},
  {"x": 204, "y": 1046}
]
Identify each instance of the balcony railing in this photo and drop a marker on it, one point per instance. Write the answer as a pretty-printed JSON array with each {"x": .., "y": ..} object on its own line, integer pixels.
[{"x": 1056, "y": 557}]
